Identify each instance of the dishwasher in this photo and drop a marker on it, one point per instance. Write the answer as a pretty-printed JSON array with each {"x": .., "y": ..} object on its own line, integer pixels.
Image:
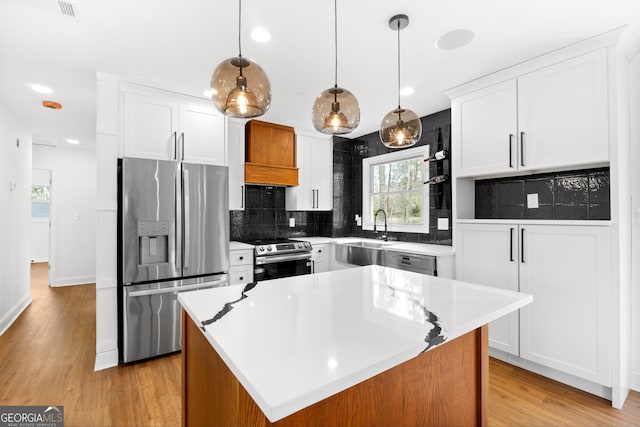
[{"x": 425, "y": 264}]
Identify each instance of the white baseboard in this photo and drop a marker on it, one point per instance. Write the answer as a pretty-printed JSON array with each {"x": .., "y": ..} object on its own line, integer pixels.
[
  {"x": 635, "y": 381},
  {"x": 8, "y": 319},
  {"x": 571, "y": 380},
  {"x": 72, "y": 281},
  {"x": 105, "y": 360}
]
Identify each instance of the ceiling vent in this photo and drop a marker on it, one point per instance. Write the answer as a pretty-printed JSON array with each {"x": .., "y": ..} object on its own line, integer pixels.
[{"x": 66, "y": 8}]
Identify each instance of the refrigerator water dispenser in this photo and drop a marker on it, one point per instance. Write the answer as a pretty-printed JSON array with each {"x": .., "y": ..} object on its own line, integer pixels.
[{"x": 153, "y": 242}]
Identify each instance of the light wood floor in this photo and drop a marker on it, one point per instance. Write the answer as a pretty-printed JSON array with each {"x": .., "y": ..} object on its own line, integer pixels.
[{"x": 47, "y": 357}]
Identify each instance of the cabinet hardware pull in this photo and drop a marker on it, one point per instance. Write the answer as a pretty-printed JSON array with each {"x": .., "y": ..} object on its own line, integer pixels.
[
  {"x": 175, "y": 145},
  {"x": 511, "y": 244},
  {"x": 241, "y": 258},
  {"x": 182, "y": 145},
  {"x": 242, "y": 196},
  {"x": 522, "y": 245},
  {"x": 522, "y": 149},
  {"x": 241, "y": 278},
  {"x": 510, "y": 150}
]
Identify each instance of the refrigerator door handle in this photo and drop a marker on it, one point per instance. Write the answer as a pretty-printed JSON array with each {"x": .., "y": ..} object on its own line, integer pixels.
[
  {"x": 186, "y": 217},
  {"x": 177, "y": 228},
  {"x": 176, "y": 289}
]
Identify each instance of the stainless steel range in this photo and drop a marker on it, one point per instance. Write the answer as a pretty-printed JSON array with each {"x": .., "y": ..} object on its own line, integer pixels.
[{"x": 281, "y": 258}]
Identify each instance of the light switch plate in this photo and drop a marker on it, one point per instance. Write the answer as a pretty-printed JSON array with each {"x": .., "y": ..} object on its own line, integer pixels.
[
  {"x": 532, "y": 201},
  {"x": 443, "y": 223},
  {"x": 292, "y": 222}
]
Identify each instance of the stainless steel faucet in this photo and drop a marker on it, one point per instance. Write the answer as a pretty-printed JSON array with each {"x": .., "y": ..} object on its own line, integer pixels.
[{"x": 385, "y": 236}]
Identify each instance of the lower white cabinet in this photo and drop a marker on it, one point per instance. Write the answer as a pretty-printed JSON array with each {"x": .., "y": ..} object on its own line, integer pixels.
[
  {"x": 240, "y": 266},
  {"x": 321, "y": 258},
  {"x": 567, "y": 270}
]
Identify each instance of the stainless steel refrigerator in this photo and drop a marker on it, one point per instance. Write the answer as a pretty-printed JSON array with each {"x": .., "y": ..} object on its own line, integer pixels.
[{"x": 173, "y": 237}]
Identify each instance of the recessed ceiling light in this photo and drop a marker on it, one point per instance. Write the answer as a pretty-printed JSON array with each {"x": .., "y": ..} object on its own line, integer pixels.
[
  {"x": 209, "y": 92},
  {"x": 73, "y": 141},
  {"x": 455, "y": 39},
  {"x": 406, "y": 91},
  {"x": 260, "y": 35},
  {"x": 40, "y": 88}
]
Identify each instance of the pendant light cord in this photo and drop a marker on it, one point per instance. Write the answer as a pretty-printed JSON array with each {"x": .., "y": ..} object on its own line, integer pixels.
[
  {"x": 239, "y": 28},
  {"x": 335, "y": 38},
  {"x": 398, "y": 22}
]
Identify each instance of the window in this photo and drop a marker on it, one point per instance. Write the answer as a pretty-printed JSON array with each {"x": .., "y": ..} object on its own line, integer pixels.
[
  {"x": 394, "y": 182},
  {"x": 40, "y": 201}
]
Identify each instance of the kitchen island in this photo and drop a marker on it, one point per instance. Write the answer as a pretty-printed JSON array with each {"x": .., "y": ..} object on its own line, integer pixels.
[{"x": 363, "y": 346}]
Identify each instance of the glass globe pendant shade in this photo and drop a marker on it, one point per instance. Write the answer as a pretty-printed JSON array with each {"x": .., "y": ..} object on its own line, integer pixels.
[
  {"x": 400, "y": 128},
  {"x": 336, "y": 111},
  {"x": 240, "y": 88}
]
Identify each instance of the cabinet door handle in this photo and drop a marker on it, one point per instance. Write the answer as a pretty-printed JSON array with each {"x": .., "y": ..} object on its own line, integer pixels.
[
  {"x": 522, "y": 245},
  {"x": 511, "y": 244},
  {"x": 182, "y": 145},
  {"x": 313, "y": 266},
  {"x": 242, "y": 196},
  {"x": 510, "y": 151},
  {"x": 241, "y": 258},
  {"x": 175, "y": 145},
  {"x": 522, "y": 149},
  {"x": 317, "y": 198}
]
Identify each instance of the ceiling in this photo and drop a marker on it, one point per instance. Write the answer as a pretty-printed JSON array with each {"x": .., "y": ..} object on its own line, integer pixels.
[{"x": 175, "y": 45}]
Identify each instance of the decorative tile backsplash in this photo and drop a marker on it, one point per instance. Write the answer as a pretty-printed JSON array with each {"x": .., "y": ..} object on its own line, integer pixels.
[
  {"x": 347, "y": 180},
  {"x": 569, "y": 195}
]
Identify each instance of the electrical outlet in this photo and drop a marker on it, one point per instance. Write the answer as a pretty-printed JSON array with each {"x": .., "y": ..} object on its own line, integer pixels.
[
  {"x": 532, "y": 201},
  {"x": 292, "y": 222},
  {"x": 443, "y": 223}
]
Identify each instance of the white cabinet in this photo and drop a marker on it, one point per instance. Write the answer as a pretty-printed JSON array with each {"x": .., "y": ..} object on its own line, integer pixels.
[
  {"x": 486, "y": 255},
  {"x": 567, "y": 270},
  {"x": 236, "y": 147},
  {"x": 553, "y": 117},
  {"x": 314, "y": 156},
  {"x": 567, "y": 327},
  {"x": 240, "y": 266},
  {"x": 202, "y": 134},
  {"x": 486, "y": 122},
  {"x": 161, "y": 125},
  {"x": 321, "y": 258}
]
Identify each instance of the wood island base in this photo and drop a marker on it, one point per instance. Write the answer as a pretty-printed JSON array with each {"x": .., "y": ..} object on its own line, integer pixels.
[{"x": 446, "y": 386}]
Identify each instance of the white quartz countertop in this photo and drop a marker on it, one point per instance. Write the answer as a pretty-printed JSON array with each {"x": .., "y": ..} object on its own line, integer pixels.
[
  {"x": 294, "y": 341},
  {"x": 236, "y": 246}
]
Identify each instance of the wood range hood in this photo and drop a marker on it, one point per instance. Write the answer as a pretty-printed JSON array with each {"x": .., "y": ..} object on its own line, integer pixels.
[{"x": 270, "y": 154}]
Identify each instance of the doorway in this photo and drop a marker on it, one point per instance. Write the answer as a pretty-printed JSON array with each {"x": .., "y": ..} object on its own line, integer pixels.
[{"x": 40, "y": 215}]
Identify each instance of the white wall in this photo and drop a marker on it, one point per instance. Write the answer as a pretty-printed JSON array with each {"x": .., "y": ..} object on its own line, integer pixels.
[
  {"x": 73, "y": 213},
  {"x": 635, "y": 196},
  {"x": 15, "y": 218},
  {"x": 40, "y": 226}
]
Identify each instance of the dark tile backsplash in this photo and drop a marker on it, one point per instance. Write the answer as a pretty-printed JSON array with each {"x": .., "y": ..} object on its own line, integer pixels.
[
  {"x": 571, "y": 195},
  {"x": 265, "y": 216},
  {"x": 347, "y": 181}
]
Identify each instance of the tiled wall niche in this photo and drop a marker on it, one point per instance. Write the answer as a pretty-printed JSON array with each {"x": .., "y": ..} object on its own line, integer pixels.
[{"x": 571, "y": 195}]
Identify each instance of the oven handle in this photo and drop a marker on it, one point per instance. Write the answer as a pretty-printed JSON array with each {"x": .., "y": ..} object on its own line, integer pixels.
[{"x": 280, "y": 258}]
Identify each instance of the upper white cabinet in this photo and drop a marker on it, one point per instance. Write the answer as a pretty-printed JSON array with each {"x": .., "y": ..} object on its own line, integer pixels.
[
  {"x": 164, "y": 126},
  {"x": 314, "y": 156},
  {"x": 236, "y": 149},
  {"x": 202, "y": 133},
  {"x": 563, "y": 114},
  {"x": 556, "y": 116},
  {"x": 567, "y": 270},
  {"x": 486, "y": 121}
]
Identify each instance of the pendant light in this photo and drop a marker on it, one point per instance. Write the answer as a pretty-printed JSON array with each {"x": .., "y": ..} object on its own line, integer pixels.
[
  {"x": 336, "y": 110},
  {"x": 240, "y": 88},
  {"x": 400, "y": 127}
]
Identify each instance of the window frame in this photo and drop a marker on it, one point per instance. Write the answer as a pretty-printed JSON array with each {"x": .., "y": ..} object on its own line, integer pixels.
[{"x": 395, "y": 156}]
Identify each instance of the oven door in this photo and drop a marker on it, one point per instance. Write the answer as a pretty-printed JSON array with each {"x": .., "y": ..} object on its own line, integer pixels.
[{"x": 278, "y": 266}]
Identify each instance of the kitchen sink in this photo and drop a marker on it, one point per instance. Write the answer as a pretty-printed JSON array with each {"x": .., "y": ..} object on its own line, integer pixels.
[{"x": 360, "y": 252}]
